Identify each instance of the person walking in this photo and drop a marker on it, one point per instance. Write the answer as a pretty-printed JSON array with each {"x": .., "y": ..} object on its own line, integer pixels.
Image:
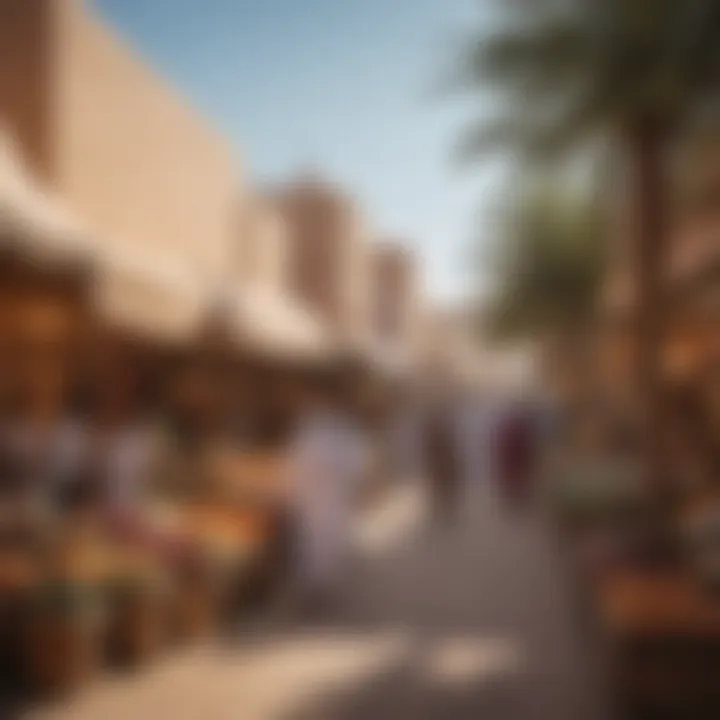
[
  {"x": 327, "y": 464},
  {"x": 515, "y": 454},
  {"x": 442, "y": 460}
]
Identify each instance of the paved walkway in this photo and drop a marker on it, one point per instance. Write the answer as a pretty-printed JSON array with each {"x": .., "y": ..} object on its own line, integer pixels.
[{"x": 438, "y": 623}]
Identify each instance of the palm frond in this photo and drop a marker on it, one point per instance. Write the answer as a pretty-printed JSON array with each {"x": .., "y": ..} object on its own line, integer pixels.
[
  {"x": 549, "y": 263},
  {"x": 538, "y": 134},
  {"x": 522, "y": 54},
  {"x": 488, "y": 137},
  {"x": 568, "y": 72},
  {"x": 702, "y": 46}
]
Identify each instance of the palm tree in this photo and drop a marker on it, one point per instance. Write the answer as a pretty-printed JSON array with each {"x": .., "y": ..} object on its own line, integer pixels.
[
  {"x": 548, "y": 267},
  {"x": 621, "y": 74}
]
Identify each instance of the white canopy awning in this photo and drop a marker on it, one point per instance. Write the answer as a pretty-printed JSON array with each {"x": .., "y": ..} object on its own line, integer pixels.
[
  {"x": 150, "y": 295},
  {"x": 32, "y": 218},
  {"x": 276, "y": 324}
]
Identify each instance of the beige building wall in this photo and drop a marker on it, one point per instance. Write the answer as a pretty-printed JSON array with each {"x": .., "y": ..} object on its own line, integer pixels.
[
  {"x": 355, "y": 279},
  {"x": 261, "y": 245},
  {"x": 395, "y": 296},
  {"x": 132, "y": 157},
  {"x": 26, "y": 96},
  {"x": 328, "y": 261},
  {"x": 127, "y": 155}
]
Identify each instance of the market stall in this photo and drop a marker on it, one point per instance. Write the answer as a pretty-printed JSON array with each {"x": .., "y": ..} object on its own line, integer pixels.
[
  {"x": 45, "y": 261},
  {"x": 45, "y": 273},
  {"x": 648, "y": 579}
]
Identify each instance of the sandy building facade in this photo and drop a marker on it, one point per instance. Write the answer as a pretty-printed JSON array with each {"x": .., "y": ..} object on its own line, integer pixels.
[
  {"x": 328, "y": 258},
  {"x": 127, "y": 155},
  {"x": 395, "y": 298}
]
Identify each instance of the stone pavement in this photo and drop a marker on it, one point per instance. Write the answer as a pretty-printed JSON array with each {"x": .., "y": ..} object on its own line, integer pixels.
[{"x": 436, "y": 622}]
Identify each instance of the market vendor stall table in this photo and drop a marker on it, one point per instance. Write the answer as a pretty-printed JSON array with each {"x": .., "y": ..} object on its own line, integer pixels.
[
  {"x": 663, "y": 633},
  {"x": 256, "y": 484},
  {"x": 259, "y": 477},
  {"x": 244, "y": 540}
]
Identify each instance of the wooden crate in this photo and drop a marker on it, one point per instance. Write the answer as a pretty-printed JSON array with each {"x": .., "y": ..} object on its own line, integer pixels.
[{"x": 62, "y": 645}]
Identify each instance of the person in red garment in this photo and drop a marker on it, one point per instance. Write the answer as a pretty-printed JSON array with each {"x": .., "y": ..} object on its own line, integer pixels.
[{"x": 515, "y": 444}]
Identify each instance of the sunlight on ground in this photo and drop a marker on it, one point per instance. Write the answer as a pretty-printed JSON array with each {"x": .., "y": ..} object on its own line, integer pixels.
[
  {"x": 273, "y": 676},
  {"x": 465, "y": 660},
  {"x": 390, "y": 525},
  {"x": 304, "y": 669},
  {"x": 266, "y": 680}
]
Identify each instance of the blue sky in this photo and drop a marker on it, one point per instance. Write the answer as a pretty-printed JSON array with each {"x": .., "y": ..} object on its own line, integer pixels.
[{"x": 343, "y": 87}]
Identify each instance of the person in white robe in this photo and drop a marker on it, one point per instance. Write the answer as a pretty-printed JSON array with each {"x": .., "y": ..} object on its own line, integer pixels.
[
  {"x": 127, "y": 464},
  {"x": 327, "y": 463}
]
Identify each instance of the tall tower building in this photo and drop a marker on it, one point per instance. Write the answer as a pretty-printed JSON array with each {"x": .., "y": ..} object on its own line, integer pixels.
[{"x": 327, "y": 257}]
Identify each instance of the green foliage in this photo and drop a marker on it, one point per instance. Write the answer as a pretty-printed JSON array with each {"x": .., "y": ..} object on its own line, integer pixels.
[
  {"x": 559, "y": 77},
  {"x": 548, "y": 265},
  {"x": 563, "y": 71}
]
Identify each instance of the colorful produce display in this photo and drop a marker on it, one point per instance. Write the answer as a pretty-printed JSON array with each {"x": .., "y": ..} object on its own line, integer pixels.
[{"x": 121, "y": 587}]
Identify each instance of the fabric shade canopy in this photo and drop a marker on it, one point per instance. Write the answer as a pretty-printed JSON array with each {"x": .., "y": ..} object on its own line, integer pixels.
[
  {"x": 149, "y": 295},
  {"x": 274, "y": 324},
  {"x": 33, "y": 219}
]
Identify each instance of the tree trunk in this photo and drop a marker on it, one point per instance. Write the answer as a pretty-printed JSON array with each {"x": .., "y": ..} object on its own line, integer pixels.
[{"x": 647, "y": 147}]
